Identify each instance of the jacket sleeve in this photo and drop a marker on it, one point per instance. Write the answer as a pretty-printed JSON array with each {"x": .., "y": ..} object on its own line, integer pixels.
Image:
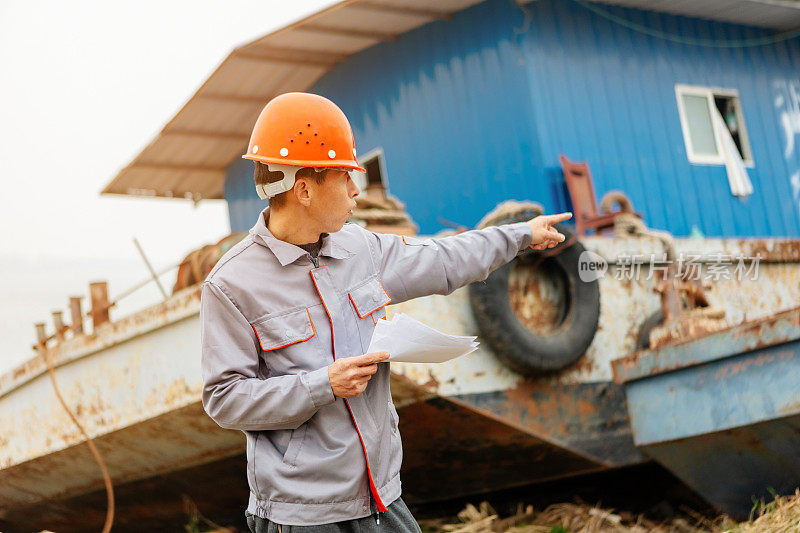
[
  {"x": 233, "y": 394},
  {"x": 413, "y": 267}
]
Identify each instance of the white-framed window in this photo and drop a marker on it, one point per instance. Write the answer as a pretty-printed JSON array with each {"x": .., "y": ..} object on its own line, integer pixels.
[
  {"x": 696, "y": 106},
  {"x": 375, "y": 175}
]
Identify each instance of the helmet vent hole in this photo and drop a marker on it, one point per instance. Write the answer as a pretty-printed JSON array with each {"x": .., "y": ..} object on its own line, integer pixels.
[
  {"x": 315, "y": 135},
  {"x": 307, "y": 142}
]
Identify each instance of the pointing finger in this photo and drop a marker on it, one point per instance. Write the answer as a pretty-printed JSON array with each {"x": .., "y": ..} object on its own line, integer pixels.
[{"x": 560, "y": 217}]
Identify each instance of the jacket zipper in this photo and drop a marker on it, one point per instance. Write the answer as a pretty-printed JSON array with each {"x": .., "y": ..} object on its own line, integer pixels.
[{"x": 373, "y": 489}]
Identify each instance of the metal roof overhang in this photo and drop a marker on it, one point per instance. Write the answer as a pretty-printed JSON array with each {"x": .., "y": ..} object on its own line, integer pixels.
[{"x": 189, "y": 157}]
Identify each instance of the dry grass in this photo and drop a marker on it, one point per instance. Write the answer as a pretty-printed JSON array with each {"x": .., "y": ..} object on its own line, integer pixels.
[{"x": 782, "y": 515}]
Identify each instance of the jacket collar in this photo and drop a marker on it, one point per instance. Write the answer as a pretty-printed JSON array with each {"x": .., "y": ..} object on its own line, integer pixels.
[{"x": 287, "y": 252}]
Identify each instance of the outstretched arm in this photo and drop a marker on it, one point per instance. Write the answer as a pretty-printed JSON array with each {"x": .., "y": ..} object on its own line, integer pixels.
[{"x": 412, "y": 267}]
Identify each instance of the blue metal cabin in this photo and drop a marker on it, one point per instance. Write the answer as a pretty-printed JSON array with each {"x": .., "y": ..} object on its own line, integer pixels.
[{"x": 474, "y": 110}]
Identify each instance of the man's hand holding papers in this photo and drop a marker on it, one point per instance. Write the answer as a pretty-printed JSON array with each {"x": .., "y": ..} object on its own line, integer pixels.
[{"x": 409, "y": 341}]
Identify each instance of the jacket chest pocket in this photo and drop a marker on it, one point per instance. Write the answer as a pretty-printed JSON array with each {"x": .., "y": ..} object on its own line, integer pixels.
[
  {"x": 284, "y": 330},
  {"x": 369, "y": 302}
]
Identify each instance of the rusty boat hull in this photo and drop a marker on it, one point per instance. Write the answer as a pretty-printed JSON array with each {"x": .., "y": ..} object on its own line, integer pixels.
[
  {"x": 469, "y": 426},
  {"x": 722, "y": 411}
]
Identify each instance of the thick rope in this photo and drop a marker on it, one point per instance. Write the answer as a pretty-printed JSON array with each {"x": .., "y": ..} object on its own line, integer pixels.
[
  {"x": 106, "y": 478},
  {"x": 629, "y": 225}
]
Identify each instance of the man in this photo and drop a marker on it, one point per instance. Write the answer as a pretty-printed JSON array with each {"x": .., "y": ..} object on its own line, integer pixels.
[{"x": 288, "y": 313}]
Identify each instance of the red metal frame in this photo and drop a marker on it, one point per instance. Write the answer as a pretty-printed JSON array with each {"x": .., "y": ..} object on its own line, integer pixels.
[{"x": 584, "y": 201}]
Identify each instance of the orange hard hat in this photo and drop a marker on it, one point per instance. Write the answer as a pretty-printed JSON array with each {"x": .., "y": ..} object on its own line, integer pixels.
[{"x": 303, "y": 130}]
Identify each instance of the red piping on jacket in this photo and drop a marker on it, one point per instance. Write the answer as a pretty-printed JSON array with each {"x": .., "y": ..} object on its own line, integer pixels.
[
  {"x": 365, "y": 314},
  {"x": 384, "y": 291},
  {"x": 358, "y": 312},
  {"x": 313, "y": 332},
  {"x": 372, "y": 487},
  {"x": 381, "y": 508}
]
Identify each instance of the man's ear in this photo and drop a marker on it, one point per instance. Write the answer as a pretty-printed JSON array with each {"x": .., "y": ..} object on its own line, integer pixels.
[{"x": 302, "y": 191}]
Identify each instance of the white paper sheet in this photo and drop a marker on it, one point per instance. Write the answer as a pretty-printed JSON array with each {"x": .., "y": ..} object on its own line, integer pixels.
[{"x": 410, "y": 341}]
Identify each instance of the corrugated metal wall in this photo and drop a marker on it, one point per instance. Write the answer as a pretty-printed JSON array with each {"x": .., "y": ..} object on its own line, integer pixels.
[
  {"x": 606, "y": 94},
  {"x": 244, "y": 205},
  {"x": 451, "y": 106},
  {"x": 475, "y": 110}
]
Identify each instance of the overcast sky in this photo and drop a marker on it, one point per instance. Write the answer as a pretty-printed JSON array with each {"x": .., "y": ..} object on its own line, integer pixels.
[{"x": 84, "y": 86}]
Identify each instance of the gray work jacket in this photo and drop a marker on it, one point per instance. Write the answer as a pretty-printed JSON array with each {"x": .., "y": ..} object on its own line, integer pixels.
[{"x": 271, "y": 323}]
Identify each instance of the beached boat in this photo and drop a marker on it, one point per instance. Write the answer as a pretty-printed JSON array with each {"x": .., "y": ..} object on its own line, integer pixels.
[
  {"x": 692, "y": 109},
  {"x": 470, "y": 425}
]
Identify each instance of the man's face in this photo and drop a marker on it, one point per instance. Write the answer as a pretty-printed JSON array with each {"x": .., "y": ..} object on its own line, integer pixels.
[{"x": 333, "y": 201}]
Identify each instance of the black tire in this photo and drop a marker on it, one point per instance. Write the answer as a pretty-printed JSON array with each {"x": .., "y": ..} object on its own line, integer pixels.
[{"x": 518, "y": 347}]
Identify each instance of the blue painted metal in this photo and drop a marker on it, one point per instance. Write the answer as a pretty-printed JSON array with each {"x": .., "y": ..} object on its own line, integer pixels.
[
  {"x": 244, "y": 205},
  {"x": 722, "y": 412},
  {"x": 733, "y": 468},
  {"x": 736, "y": 390},
  {"x": 475, "y": 110},
  {"x": 780, "y": 328}
]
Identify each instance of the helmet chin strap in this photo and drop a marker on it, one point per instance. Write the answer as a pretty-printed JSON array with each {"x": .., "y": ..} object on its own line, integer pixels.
[
  {"x": 268, "y": 190},
  {"x": 275, "y": 188}
]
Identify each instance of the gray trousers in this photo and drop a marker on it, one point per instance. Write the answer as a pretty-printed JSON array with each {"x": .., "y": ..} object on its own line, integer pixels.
[{"x": 397, "y": 519}]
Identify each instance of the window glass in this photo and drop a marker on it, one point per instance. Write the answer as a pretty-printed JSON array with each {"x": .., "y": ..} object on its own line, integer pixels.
[
  {"x": 373, "y": 179},
  {"x": 729, "y": 111},
  {"x": 373, "y": 167},
  {"x": 698, "y": 121},
  {"x": 698, "y": 108}
]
